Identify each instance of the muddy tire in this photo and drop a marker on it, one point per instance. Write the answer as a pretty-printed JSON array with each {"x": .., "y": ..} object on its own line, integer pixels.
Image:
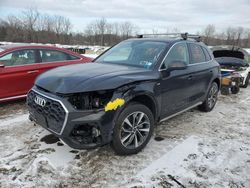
[
  {"x": 235, "y": 89},
  {"x": 211, "y": 98},
  {"x": 247, "y": 81},
  {"x": 133, "y": 129}
]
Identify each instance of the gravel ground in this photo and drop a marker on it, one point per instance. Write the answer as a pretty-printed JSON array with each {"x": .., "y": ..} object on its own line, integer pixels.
[{"x": 194, "y": 149}]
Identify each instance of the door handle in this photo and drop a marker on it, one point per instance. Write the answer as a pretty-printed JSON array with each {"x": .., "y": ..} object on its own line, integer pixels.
[
  {"x": 34, "y": 71},
  {"x": 190, "y": 77}
]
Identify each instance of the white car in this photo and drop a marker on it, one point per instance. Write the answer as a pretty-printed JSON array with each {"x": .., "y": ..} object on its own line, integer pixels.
[{"x": 235, "y": 59}]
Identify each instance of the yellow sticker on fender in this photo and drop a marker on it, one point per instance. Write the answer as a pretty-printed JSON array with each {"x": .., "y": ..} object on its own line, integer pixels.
[{"x": 113, "y": 105}]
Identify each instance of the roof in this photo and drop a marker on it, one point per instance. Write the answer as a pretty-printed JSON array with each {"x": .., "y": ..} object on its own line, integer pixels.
[
  {"x": 23, "y": 45},
  {"x": 167, "y": 40}
]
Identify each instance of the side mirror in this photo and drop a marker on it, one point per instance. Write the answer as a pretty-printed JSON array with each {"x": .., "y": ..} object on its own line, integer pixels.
[
  {"x": 176, "y": 65},
  {"x": 1, "y": 64}
]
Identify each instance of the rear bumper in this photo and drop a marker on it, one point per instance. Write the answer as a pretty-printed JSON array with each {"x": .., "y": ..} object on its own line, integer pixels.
[{"x": 80, "y": 129}]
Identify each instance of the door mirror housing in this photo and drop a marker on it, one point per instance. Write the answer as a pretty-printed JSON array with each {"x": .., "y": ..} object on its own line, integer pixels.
[
  {"x": 1, "y": 65},
  {"x": 177, "y": 65}
]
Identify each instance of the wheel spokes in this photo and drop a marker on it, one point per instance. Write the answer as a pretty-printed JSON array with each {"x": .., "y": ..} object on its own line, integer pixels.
[
  {"x": 128, "y": 122},
  {"x": 134, "y": 130},
  {"x": 131, "y": 138},
  {"x": 144, "y": 130},
  {"x": 126, "y": 130},
  {"x": 136, "y": 141},
  {"x": 212, "y": 96},
  {"x": 126, "y": 137},
  {"x": 141, "y": 115}
]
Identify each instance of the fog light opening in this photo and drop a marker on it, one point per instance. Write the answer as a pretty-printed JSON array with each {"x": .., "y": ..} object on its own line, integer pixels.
[{"x": 87, "y": 134}]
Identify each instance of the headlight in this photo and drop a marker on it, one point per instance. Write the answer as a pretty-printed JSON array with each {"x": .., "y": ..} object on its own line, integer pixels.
[
  {"x": 96, "y": 102},
  {"x": 90, "y": 100}
]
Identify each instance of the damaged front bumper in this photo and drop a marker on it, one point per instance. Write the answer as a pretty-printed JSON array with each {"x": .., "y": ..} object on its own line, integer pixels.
[{"x": 80, "y": 129}]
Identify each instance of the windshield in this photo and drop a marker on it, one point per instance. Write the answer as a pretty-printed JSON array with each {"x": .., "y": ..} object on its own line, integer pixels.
[{"x": 137, "y": 53}]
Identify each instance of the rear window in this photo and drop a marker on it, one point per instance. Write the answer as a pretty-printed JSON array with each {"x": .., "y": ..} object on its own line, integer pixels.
[
  {"x": 207, "y": 55},
  {"x": 54, "y": 56},
  {"x": 197, "y": 54}
]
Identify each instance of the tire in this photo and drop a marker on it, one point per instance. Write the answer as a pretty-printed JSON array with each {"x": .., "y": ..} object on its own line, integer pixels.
[
  {"x": 247, "y": 81},
  {"x": 235, "y": 89},
  {"x": 127, "y": 124},
  {"x": 211, "y": 98}
]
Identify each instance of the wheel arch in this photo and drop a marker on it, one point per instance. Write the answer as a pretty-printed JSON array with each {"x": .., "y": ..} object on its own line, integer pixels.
[
  {"x": 217, "y": 81},
  {"x": 148, "y": 101}
]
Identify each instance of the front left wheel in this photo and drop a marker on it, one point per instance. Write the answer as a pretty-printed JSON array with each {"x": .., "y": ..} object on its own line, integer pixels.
[{"x": 133, "y": 129}]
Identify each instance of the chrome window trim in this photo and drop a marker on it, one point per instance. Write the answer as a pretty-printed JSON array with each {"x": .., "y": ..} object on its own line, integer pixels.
[
  {"x": 15, "y": 97},
  {"x": 192, "y": 64},
  {"x": 45, "y": 63},
  {"x": 189, "y": 64},
  {"x": 64, "y": 107}
]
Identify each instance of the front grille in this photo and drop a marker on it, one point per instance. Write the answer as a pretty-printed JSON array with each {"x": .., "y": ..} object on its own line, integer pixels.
[{"x": 52, "y": 115}]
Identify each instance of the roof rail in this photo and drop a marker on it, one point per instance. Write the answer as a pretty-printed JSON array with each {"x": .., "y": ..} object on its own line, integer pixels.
[{"x": 184, "y": 36}]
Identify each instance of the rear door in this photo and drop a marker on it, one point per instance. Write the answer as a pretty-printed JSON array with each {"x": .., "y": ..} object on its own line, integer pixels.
[
  {"x": 202, "y": 71},
  {"x": 19, "y": 73},
  {"x": 50, "y": 58}
]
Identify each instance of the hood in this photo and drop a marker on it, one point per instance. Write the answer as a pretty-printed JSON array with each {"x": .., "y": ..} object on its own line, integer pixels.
[
  {"x": 91, "y": 77},
  {"x": 228, "y": 53},
  {"x": 231, "y": 61}
]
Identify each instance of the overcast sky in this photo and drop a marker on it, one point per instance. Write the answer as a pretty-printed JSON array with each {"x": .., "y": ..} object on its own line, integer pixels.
[{"x": 187, "y": 15}]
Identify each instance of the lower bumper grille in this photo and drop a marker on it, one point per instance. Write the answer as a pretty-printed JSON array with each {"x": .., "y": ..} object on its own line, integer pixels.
[{"x": 46, "y": 111}]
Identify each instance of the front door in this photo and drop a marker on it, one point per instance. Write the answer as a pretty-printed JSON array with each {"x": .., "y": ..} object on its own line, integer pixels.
[
  {"x": 19, "y": 73},
  {"x": 176, "y": 84}
]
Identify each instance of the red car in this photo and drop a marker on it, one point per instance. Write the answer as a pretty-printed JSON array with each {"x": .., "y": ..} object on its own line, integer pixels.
[{"x": 21, "y": 64}]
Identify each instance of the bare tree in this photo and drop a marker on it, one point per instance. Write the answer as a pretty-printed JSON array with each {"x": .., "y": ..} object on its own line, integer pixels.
[
  {"x": 29, "y": 20},
  {"x": 127, "y": 29},
  {"x": 101, "y": 25},
  {"x": 239, "y": 31},
  {"x": 231, "y": 34},
  {"x": 13, "y": 29},
  {"x": 209, "y": 34}
]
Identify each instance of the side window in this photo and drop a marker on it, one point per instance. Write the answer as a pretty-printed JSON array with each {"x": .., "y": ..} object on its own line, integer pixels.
[
  {"x": 178, "y": 53},
  {"x": 207, "y": 55},
  {"x": 72, "y": 57},
  {"x": 19, "y": 57},
  {"x": 197, "y": 54},
  {"x": 53, "y": 55}
]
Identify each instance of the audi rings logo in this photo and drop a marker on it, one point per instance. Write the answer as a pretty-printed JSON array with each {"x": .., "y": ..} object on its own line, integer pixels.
[{"x": 40, "y": 101}]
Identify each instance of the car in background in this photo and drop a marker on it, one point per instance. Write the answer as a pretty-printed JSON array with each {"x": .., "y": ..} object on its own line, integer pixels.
[
  {"x": 235, "y": 59},
  {"x": 20, "y": 64}
]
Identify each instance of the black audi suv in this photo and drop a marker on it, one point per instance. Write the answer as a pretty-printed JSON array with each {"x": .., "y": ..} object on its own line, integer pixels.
[{"x": 120, "y": 96}]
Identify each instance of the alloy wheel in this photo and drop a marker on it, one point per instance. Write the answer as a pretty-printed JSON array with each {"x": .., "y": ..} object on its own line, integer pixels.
[
  {"x": 212, "y": 96},
  {"x": 134, "y": 130}
]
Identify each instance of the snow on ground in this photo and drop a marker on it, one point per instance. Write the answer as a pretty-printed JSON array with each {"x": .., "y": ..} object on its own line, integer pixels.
[
  {"x": 93, "y": 56},
  {"x": 194, "y": 149}
]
